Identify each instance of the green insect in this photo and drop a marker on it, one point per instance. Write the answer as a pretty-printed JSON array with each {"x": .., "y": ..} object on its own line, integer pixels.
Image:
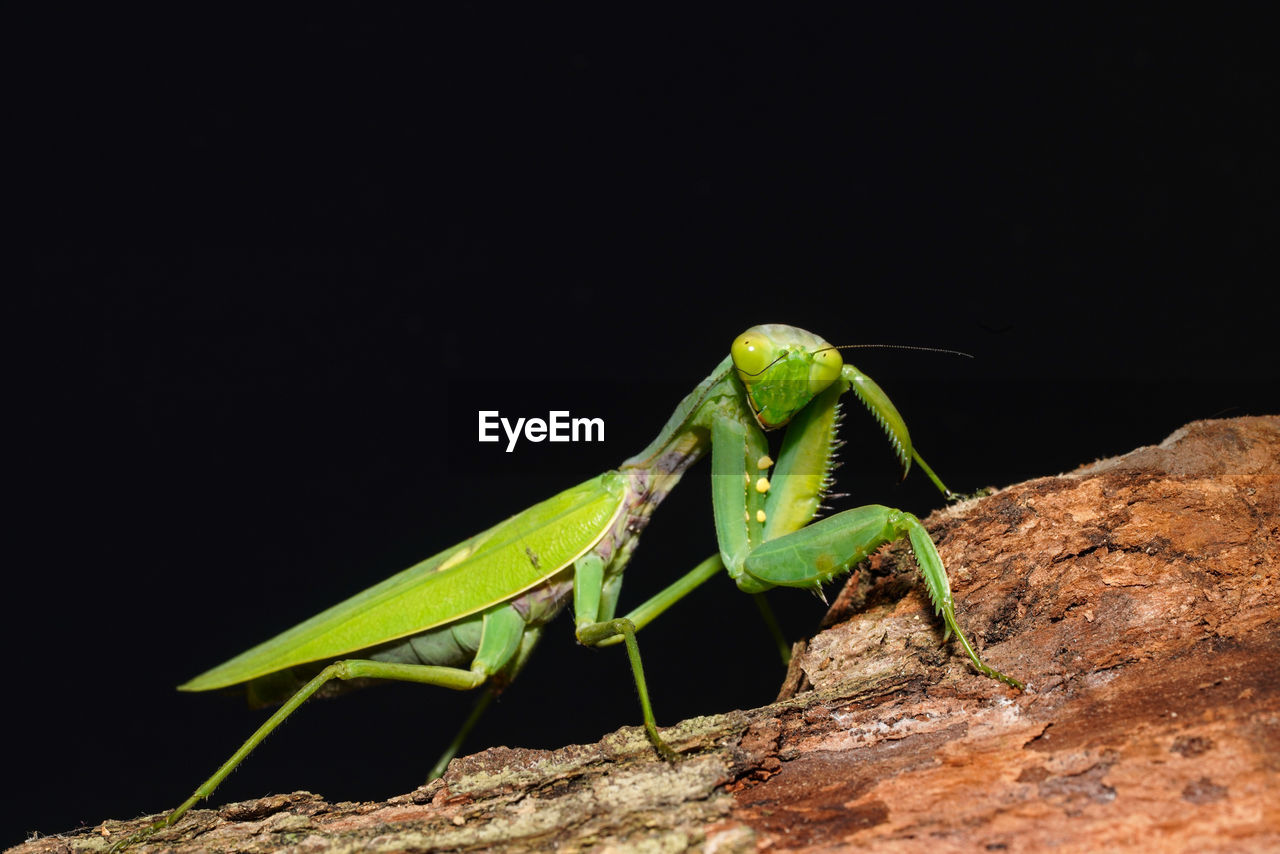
[{"x": 470, "y": 616}]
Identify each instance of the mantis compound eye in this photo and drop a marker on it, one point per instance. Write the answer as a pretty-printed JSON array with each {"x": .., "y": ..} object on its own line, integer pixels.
[
  {"x": 825, "y": 369},
  {"x": 752, "y": 352}
]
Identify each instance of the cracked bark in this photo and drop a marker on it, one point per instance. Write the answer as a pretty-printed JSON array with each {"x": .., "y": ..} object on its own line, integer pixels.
[{"x": 1136, "y": 597}]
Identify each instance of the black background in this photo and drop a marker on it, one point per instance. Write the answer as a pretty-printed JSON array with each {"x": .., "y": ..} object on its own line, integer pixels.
[{"x": 269, "y": 267}]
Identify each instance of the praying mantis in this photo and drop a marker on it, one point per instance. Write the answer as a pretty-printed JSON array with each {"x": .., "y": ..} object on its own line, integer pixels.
[{"x": 470, "y": 616}]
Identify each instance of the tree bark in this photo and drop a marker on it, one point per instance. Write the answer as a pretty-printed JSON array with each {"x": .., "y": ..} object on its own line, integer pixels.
[{"x": 1136, "y": 597}]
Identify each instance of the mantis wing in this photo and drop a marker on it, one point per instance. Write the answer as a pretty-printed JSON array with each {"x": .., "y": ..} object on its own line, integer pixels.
[{"x": 491, "y": 567}]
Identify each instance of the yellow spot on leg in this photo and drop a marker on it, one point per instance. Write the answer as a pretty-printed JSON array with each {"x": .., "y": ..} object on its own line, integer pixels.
[
  {"x": 760, "y": 516},
  {"x": 762, "y": 485},
  {"x": 764, "y": 462}
]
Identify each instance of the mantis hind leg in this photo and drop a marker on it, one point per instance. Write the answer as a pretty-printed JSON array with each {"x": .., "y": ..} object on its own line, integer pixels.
[
  {"x": 596, "y": 626},
  {"x": 473, "y": 717},
  {"x": 595, "y": 633},
  {"x": 502, "y": 640},
  {"x": 830, "y": 547},
  {"x": 528, "y": 640},
  {"x": 445, "y": 677}
]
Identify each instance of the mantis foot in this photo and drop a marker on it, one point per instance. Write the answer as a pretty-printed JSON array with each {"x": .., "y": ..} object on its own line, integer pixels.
[
  {"x": 956, "y": 497},
  {"x": 991, "y": 672},
  {"x": 665, "y": 751},
  {"x": 140, "y": 835}
]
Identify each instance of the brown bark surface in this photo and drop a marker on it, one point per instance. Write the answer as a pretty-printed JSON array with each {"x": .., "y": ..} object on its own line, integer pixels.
[{"x": 1136, "y": 597}]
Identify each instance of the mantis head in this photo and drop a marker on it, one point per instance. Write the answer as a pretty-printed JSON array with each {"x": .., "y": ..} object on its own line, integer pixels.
[{"x": 783, "y": 368}]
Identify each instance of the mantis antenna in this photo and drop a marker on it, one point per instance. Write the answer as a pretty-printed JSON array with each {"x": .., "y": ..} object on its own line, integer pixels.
[
  {"x": 903, "y": 347},
  {"x": 866, "y": 346}
]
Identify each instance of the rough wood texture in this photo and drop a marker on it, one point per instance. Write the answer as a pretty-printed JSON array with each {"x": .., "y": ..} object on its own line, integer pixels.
[{"x": 1136, "y": 596}]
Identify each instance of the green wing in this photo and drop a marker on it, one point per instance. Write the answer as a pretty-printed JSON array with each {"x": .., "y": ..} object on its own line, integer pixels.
[{"x": 491, "y": 567}]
